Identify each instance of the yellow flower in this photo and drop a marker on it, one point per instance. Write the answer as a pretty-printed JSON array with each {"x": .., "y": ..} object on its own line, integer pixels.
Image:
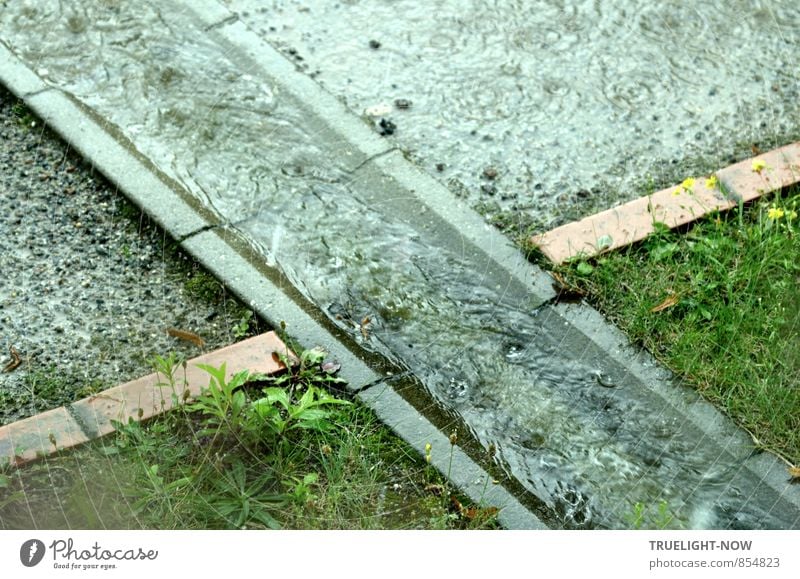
[
  {"x": 791, "y": 215},
  {"x": 428, "y": 452},
  {"x": 687, "y": 185},
  {"x": 759, "y": 165},
  {"x": 775, "y": 213},
  {"x": 711, "y": 182}
]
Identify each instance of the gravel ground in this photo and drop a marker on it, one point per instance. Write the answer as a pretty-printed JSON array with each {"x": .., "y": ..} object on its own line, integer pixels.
[{"x": 89, "y": 287}]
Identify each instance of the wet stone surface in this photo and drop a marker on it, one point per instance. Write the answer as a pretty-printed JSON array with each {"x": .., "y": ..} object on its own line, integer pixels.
[
  {"x": 87, "y": 289},
  {"x": 581, "y": 104}
]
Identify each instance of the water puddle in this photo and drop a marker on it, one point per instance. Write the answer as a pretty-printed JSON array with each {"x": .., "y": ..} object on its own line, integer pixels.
[
  {"x": 568, "y": 422},
  {"x": 575, "y": 104}
]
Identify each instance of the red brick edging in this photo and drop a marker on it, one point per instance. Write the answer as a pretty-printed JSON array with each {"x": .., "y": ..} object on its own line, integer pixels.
[
  {"x": 675, "y": 206},
  {"x": 146, "y": 397}
]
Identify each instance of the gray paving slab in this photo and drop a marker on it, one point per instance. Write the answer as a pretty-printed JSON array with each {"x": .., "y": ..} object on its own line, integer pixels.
[
  {"x": 575, "y": 106},
  {"x": 328, "y": 116}
]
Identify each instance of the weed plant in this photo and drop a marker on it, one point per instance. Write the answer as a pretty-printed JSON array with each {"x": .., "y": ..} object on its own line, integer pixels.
[{"x": 252, "y": 452}]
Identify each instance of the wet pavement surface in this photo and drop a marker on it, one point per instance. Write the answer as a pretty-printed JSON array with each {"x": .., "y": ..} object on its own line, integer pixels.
[
  {"x": 88, "y": 287},
  {"x": 580, "y": 431},
  {"x": 540, "y": 112}
]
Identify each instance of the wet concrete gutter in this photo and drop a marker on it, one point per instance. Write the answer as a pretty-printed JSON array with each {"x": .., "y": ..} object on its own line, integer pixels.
[
  {"x": 396, "y": 187},
  {"x": 225, "y": 253}
]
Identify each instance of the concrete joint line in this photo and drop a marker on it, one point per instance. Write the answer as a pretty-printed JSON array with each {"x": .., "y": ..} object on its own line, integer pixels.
[
  {"x": 399, "y": 187},
  {"x": 88, "y": 432},
  {"x": 372, "y": 158},
  {"x": 85, "y": 420},
  {"x": 376, "y": 159},
  {"x": 209, "y": 227},
  {"x": 395, "y": 183},
  {"x": 119, "y": 162},
  {"x": 353, "y": 140},
  {"x": 109, "y": 151},
  {"x": 29, "y": 95}
]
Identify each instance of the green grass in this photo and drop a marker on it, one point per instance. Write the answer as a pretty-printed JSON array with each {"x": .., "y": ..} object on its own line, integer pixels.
[
  {"x": 23, "y": 115},
  {"x": 729, "y": 321},
  {"x": 251, "y": 452}
]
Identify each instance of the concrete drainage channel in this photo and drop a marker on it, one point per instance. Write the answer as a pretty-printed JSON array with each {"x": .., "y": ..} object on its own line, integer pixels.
[{"x": 311, "y": 218}]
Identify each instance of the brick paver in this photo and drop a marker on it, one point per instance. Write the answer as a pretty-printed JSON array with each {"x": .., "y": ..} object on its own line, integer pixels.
[
  {"x": 139, "y": 399},
  {"x": 675, "y": 206}
]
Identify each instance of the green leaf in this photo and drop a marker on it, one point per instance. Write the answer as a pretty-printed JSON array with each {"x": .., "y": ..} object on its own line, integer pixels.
[
  {"x": 605, "y": 241},
  {"x": 660, "y": 228},
  {"x": 265, "y": 519},
  {"x": 663, "y": 251},
  {"x": 238, "y": 401},
  {"x": 239, "y": 379},
  {"x": 584, "y": 268},
  {"x": 217, "y": 373},
  {"x": 311, "y": 414},
  {"x": 279, "y": 395},
  {"x": 176, "y": 484},
  {"x": 307, "y": 399},
  {"x": 312, "y": 356},
  {"x": 105, "y": 451}
]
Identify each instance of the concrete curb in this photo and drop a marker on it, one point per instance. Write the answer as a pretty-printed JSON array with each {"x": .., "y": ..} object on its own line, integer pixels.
[
  {"x": 675, "y": 206},
  {"x": 91, "y": 418},
  {"x": 416, "y": 430},
  {"x": 179, "y": 213},
  {"x": 712, "y": 425}
]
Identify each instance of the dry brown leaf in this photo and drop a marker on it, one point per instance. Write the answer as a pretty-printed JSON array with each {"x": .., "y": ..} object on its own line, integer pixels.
[
  {"x": 187, "y": 336},
  {"x": 668, "y": 302},
  {"x": 15, "y": 360},
  {"x": 564, "y": 291},
  {"x": 434, "y": 489},
  {"x": 364, "y": 327},
  {"x": 794, "y": 472}
]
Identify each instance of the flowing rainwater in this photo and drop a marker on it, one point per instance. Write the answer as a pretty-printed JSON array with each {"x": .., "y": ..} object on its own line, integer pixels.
[{"x": 573, "y": 426}]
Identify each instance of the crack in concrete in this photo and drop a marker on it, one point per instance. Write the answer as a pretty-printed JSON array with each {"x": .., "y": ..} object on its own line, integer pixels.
[
  {"x": 372, "y": 158},
  {"x": 222, "y": 23}
]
